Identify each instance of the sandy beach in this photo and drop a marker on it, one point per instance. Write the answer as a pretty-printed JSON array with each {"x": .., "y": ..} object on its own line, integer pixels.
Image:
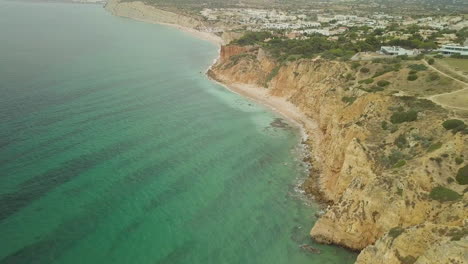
[
  {"x": 278, "y": 104},
  {"x": 149, "y": 14},
  {"x": 198, "y": 34}
]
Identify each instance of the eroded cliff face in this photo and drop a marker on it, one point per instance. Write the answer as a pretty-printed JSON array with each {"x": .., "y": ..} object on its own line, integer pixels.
[{"x": 375, "y": 177}]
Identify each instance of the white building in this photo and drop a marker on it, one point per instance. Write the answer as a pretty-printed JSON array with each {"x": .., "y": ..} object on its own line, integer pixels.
[
  {"x": 396, "y": 51},
  {"x": 324, "y": 32},
  {"x": 454, "y": 49}
]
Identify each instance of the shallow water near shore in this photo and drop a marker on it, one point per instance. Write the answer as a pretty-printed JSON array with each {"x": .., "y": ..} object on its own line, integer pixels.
[{"x": 116, "y": 148}]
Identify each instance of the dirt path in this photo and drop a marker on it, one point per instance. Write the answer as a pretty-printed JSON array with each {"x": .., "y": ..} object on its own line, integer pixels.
[
  {"x": 457, "y": 99},
  {"x": 444, "y": 74}
]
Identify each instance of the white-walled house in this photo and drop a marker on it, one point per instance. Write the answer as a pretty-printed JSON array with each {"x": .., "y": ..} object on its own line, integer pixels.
[
  {"x": 397, "y": 51},
  {"x": 454, "y": 49}
]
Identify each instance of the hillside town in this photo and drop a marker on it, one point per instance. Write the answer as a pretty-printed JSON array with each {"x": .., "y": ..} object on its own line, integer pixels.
[
  {"x": 443, "y": 32},
  {"x": 260, "y": 19}
]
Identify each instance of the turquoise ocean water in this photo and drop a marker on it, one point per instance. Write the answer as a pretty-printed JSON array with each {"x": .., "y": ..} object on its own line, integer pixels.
[{"x": 116, "y": 148}]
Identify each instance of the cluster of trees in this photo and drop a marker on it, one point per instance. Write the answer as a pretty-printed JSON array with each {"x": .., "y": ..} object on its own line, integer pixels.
[
  {"x": 288, "y": 49},
  {"x": 252, "y": 38},
  {"x": 415, "y": 42},
  {"x": 376, "y": 37},
  {"x": 462, "y": 35},
  {"x": 345, "y": 47}
]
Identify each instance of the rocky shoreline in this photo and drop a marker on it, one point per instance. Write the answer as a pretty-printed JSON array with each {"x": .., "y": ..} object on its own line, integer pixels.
[{"x": 373, "y": 205}]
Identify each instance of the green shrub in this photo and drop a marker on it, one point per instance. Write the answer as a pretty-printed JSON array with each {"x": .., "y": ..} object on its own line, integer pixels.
[
  {"x": 355, "y": 65},
  {"x": 364, "y": 70},
  {"x": 439, "y": 56},
  {"x": 406, "y": 260},
  {"x": 434, "y": 147},
  {"x": 401, "y": 117},
  {"x": 412, "y": 77},
  {"x": 412, "y": 72},
  {"x": 459, "y": 160},
  {"x": 433, "y": 77},
  {"x": 367, "y": 81},
  {"x": 373, "y": 89},
  {"x": 401, "y": 141},
  {"x": 399, "y": 164},
  {"x": 403, "y": 57},
  {"x": 461, "y": 128},
  {"x": 293, "y": 57},
  {"x": 443, "y": 194},
  {"x": 457, "y": 234},
  {"x": 394, "y": 157},
  {"x": 251, "y": 38},
  {"x": 418, "y": 104},
  {"x": 387, "y": 68},
  {"x": 462, "y": 175},
  {"x": 348, "y": 99},
  {"x": 399, "y": 191},
  {"x": 383, "y": 83},
  {"x": 377, "y": 89},
  {"x": 459, "y": 56},
  {"x": 395, "y": 232},
  {"x": 349, "y": 76},
  {"x": 384, "y": 125},
  {"x": 430, "y": 61},
  {"x": 273, "y": 73},
  {"x": 235, "y": 58},
  {"x": 452, "y": 124},
  {"x": 418, "y": 67},
  {"x": 419, "y": 57}
]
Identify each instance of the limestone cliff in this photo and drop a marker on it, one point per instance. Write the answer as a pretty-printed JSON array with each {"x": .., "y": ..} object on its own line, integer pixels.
[{"x": 376, "y": 173}]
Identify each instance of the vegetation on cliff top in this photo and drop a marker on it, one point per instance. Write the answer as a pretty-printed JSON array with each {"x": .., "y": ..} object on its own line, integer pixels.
[
  {"x": 462, "y": 175},
  {"x": 252, "y": 38},
  {"x": 405, "y": 131},
  {"x": 454, "y": 125},
  {"x": 401, "y": 116},
  {"x": 396, "y": 232},
  {"x": 313, "y": 45},
  {"x": 443, "y": 194}
]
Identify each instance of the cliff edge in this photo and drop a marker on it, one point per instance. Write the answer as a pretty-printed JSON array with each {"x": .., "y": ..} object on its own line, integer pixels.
[
  {"x": 382, "y": 159},
  {"x": 390, "y": 166}
]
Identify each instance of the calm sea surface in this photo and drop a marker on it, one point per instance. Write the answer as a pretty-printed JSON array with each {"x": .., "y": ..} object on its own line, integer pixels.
[{"x": 115, "y": 148}]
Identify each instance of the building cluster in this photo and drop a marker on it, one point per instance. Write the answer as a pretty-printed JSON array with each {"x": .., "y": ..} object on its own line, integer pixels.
[
  {"x": 444, "y": 49},
  {"x": 444, "y": 22},
  {"x": 303, "y": 23},
  {"x": 313, "y": 21},
  {"x": 397, "y": 51}
]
